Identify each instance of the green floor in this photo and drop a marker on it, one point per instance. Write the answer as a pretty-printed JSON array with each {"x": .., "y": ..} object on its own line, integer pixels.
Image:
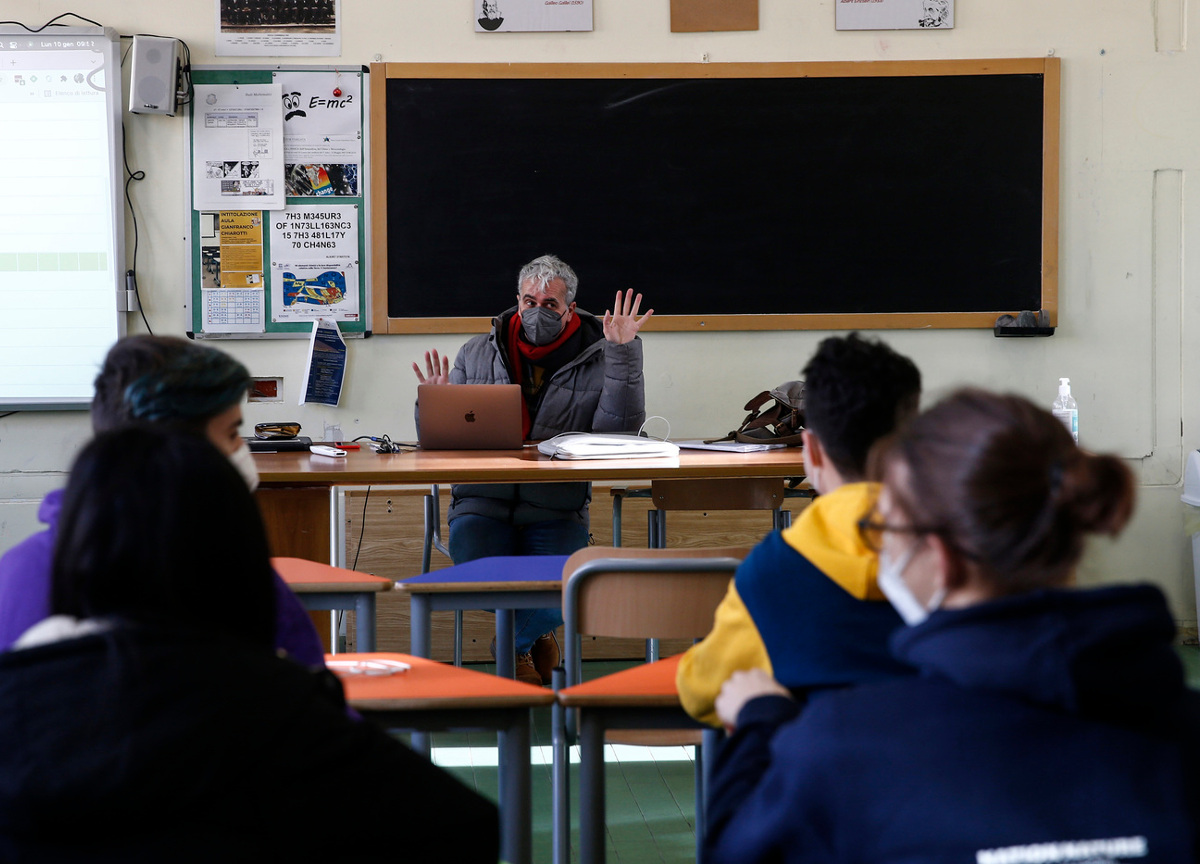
[{"x": 650, "y": 803}]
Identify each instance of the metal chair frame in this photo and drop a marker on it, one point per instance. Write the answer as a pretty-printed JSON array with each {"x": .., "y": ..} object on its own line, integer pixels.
[{"x": 695, "y": 624}]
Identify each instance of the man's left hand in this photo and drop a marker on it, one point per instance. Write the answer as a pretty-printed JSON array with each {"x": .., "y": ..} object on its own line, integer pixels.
[{"x": 622, "y": 325}]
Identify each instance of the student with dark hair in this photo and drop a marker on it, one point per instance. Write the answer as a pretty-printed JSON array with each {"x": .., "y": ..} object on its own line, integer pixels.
[
  {"x": 175, "y": 384},
  {"x": 140, "y": 727},
  {"x": 1047, "y": 723},
  {"x": 804, "y": 604}
]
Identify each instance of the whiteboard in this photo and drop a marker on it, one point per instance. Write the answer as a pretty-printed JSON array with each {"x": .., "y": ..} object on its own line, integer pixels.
[{"x": 62, "y": 259}]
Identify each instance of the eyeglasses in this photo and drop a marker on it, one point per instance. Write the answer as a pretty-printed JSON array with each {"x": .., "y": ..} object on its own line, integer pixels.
[
  {"x": 871, "y": 529},
  {"x": 276, "y": 431}
]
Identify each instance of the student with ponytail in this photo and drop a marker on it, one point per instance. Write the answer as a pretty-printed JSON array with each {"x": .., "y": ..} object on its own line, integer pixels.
[{"x": 1048, "y": 723}]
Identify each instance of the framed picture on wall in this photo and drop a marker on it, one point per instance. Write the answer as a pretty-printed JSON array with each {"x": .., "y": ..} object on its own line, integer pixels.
[
  {"x": 497, "y": 16},
  {"x": 894, "y": 14}
]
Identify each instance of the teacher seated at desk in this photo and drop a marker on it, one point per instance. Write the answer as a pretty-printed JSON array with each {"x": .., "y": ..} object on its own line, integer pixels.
[{"x": 577, "y": 373}]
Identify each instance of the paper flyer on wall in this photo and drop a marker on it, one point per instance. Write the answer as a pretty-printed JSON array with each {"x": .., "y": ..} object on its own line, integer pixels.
[
  {"x": 498, "y": 16},
  {"x": 894, "y": 14},
  {"x": 278, "y": 28},
  {"x": 231, "y": 271},
  {"x": 314, "y": 263},
  {"x": 326, "y": 367},
  {"x": 322, "y": 132},
  {"x": 237, "y": 140},
  {"x": 233, "y": 311}
]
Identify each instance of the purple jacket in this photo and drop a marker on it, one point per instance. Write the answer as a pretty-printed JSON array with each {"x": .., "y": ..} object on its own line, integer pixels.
[{"x": 25, "y": 593}]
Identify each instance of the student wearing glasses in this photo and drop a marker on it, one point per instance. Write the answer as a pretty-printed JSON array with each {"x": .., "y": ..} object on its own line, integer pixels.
[{"x": 1047, "y": 723}]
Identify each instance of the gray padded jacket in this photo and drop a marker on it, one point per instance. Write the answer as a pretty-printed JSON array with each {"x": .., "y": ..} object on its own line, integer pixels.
[{"x": 601, "y": 390}]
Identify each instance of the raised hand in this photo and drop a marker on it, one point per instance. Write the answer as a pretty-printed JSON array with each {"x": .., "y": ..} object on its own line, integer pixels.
[
  {"x": 437, "y": 369},
  {"x": 621, "y": 325}
]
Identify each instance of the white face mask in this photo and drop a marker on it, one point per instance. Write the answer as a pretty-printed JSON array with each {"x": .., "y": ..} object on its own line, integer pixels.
[
  {"x": 244, "y": 463},
  {"x": 896, "y": 590}
]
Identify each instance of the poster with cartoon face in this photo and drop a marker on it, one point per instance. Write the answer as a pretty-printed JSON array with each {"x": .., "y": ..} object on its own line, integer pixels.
[
  {"x": 322, "y": 132},
  {"x": 894, "y": 14},
  {"x": 498, "y": 16}
]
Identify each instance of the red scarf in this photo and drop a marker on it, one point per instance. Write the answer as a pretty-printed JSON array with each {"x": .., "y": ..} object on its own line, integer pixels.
[{"x": 519, "y": 350}]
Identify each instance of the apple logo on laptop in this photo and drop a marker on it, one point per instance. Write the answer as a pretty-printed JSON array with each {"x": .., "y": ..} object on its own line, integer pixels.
[{"x": 470, "y": 416}]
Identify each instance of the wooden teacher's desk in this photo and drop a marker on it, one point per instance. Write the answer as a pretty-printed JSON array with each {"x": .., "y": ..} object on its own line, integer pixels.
[{"x": 296, "y": 490}]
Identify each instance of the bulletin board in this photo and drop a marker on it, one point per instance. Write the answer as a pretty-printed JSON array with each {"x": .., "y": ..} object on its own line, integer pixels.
[{"x": 269, "y": 273}]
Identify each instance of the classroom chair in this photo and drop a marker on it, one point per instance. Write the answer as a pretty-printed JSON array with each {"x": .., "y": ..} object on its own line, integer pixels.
[
  {"x": 766, "y": 493},
  {"x": 627, "y": 593}
]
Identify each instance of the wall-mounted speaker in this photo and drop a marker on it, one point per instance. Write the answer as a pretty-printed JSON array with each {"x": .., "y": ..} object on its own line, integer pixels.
[{"x": 154, "y": 76}]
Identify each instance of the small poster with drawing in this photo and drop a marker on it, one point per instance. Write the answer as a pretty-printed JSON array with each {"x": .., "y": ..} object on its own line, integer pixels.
[
  {"x": 894, "y": 14},
  {"x": 496, "y": 16}
]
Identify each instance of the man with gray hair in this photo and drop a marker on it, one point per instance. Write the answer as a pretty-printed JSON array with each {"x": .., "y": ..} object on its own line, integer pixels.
[{"x": 578, "y": 373}]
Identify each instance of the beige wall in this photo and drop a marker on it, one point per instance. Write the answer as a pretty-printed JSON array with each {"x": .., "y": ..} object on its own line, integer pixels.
[{"x": 1130, "y": 127}]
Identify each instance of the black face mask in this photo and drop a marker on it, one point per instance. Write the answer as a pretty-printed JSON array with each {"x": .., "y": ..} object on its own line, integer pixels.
[{"x": 541, "y": 326}]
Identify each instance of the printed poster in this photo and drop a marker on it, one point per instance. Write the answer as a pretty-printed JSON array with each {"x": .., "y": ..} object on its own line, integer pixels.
[
  {"x": 326, "y": 367},
  {"x": 278, "y": 28},
  {"x": 322, "y": 133},
  {"x": 314, "y": 263},
  {"x": 894, "y": 14},
  {"x": 498, "y": 16},
  {"x": 231, "y": 271},
  {"x": 237, "y": 140}
]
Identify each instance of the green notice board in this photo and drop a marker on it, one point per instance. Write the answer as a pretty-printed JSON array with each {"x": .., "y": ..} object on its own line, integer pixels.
[{"x": 269, "y": 273}]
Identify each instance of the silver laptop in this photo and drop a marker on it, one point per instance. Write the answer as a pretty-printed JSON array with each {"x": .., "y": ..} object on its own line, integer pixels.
[{"x": 469, "y": 416}]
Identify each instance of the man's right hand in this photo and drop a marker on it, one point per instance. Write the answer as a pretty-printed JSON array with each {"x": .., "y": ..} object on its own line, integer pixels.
[{"x": 437, "y": 369}]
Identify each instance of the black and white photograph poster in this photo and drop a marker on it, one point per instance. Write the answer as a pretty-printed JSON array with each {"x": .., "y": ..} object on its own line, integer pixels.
[
  {"x": 894, "y": 14},
  {"x": 525, "y": 16},
  {"x": 279, "y": 28}
]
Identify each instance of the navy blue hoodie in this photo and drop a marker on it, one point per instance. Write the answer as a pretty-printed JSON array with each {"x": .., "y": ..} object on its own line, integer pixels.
[{"x": 1054, "y": 726}]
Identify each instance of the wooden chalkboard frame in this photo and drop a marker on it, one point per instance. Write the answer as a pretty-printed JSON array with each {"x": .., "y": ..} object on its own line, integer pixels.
[{"x": 1047, "y": 67}]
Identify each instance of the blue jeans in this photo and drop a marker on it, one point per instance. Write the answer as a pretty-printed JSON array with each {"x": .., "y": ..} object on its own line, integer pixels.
[{"x": 473, "y": 536}]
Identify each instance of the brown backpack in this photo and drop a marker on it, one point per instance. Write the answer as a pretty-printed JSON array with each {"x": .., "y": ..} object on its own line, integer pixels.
[{"x": 779, "y": 422}]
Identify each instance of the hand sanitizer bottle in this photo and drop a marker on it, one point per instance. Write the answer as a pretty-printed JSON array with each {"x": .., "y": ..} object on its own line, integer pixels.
[{"x": 1064, "y": 408}]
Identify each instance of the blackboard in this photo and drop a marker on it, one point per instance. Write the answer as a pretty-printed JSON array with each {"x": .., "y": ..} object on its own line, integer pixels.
[{"x": 735, "y": 196}]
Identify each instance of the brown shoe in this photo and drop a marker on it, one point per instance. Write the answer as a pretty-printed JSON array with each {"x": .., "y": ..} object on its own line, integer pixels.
[
  {"x": 545, "y": 655},
  {"x": 526, "y": 672}
]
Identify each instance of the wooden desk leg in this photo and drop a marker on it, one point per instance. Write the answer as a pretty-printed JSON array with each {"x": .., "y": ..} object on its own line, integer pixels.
[
  {"x": 364, "y": 621},
  {"x": 516, "y": 822},
  {"x": 506, "y": 661},
  {"x": 591, "y": 788}
]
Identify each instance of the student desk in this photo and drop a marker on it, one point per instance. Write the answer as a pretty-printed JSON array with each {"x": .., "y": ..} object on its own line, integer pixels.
[
  {"x": 298, "y": 491},
  {"x": 502, "y": 584},
  {"x": 435, "y": 697},
  {"x": 320, "y": 587}
]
